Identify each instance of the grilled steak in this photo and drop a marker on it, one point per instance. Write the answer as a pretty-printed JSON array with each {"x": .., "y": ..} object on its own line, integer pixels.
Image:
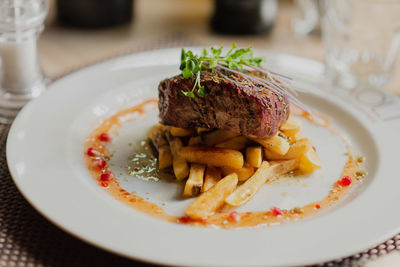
[{"x": 232, "y": 103}]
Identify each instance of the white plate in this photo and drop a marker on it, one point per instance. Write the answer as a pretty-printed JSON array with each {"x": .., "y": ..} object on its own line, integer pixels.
[{"x": 44, "y": 153}]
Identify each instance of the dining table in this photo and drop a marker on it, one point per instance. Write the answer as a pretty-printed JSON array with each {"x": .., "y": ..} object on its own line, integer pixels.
[{"x": 27, "y": 238}]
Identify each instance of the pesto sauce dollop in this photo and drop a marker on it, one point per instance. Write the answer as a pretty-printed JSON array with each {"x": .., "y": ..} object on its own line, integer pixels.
[{"x": 143, "y": 164}]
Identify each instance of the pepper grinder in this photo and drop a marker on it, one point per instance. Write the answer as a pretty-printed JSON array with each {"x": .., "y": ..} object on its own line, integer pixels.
[{"x": 21, "y": 76}]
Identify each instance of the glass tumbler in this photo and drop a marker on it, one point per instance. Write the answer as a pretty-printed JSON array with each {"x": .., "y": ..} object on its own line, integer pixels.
[
  {"x": 362, "y": 41},
  {"x": 308, "y": 17}
]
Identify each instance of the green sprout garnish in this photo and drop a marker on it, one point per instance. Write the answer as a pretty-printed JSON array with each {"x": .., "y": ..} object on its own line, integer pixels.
[
  {"x": 235, "y": 59},
  {"x": 240, "y": 63}
]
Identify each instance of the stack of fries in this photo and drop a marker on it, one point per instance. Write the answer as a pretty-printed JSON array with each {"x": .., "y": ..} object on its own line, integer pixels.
[{"x": 226, "y": 168}]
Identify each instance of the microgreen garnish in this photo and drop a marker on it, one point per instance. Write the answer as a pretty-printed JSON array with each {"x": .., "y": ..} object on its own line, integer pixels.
[
  {"x": 235, "y": 59},
  {"x": 238, "y": 62}
]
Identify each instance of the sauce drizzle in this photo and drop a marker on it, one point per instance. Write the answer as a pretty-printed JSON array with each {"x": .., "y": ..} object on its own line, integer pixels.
[{"x": 110, "y": 127}]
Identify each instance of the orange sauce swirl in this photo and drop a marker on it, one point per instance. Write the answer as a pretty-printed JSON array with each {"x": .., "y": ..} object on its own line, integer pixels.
[{"x": 220, "y": 219}]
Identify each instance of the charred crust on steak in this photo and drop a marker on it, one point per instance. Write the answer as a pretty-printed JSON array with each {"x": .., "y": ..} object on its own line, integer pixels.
[{"x": 252, "y": 111}]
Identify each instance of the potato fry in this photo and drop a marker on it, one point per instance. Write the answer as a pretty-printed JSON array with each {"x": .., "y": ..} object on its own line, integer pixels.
[
  {"x": 296, "y": 137},
  {"x": 254, "y": 156},
  {"x": 310, "y": 162},
  {"x": 236, "y": 143},
  {"x": 164, "y": 157},
  {"x": 269, "y": 155},
  {"x": 195, "y": 140},
  {"x": 247, "y": 190},
  {"x": 296, "y": 150},
  {"x": 299, "y": 135},
  {"x": 291, "y": 126},
  {"x": 179, "y": 164},
  {"x": 194, "y": 183},
  {"x": 276, "y": 144},
  {"x": 218, "y": 136},
  {"x": 212, "y": 156},
  {"x": 213, "y": 175},
  {"x": 182, "y": 132},
  {"x": 157, "y": 136},
  {"x": 200, "y": 130},
  {"x": 209, "y": 201},
  {"x": 243, "y": 173}
]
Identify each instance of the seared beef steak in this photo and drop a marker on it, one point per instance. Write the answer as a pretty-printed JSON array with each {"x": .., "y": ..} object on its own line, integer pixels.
[{"x": 248, "y": 110}]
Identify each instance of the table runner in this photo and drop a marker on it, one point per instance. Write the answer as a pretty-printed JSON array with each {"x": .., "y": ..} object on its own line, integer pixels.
[{"x": 28, "y": 239}]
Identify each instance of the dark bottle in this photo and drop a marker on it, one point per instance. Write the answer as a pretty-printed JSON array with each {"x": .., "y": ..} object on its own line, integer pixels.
[
  {"x": 94, "y": 13},
  {"x": 244, "y": 16}
]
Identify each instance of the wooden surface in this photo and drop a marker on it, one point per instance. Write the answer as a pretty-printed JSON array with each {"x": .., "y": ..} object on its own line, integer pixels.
[{"x": 62, "y": 49}]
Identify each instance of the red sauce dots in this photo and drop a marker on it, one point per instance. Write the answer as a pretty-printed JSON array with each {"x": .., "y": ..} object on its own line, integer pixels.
[
  {"x": 104, "y": 184},
  {"x": 313, "y": 147},
  {"x": 100, "y": 163},
  {"x": 276, "y": 211},
  {"x": 92, "y": 152},
  {"x": 104, "y": 137},
  {"x": 203, "y": 220},
  {"x": 106, "y": 177},
  {"x": 345, "y": 181},
  {"x": 318, "y": 206},
  {"x": 184, "y": 219},
  {"x": 234, "y": 216}
]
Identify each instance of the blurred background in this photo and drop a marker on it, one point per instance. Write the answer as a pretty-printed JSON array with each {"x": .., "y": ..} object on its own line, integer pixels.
[
  {"x": 69, "y": 42},
  {"x": 185, "y": 21}
]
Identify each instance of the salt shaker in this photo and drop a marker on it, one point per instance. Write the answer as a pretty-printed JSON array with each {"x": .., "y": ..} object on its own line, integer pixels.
[{"x": 21, "y": 77}]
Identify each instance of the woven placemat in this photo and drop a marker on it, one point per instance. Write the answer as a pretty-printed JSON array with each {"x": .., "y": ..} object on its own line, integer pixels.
[{"x": 28, "y": 239}]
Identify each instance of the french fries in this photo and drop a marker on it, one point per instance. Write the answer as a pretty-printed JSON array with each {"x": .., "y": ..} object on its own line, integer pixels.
[
  {"x": 194, "y": 183},
  {"x": 181, "y": 132},
  {"x": 297, "y": 136},
  {"x": 179, "y": 164},
  {"x": 164, "y": 157},
  {"x": 242, "y": 173},
  {"x": 218, "y": 136},
  {"x": 276, "y": 144},
  {"x": 244, "y": 192},
  {"x": 195, "y": 140},
  {"x": 247, "y": 190},
  {"x": 212, "y": 156},
  {"x": 296, "y": 150},
  {"x": 236, "y": 143},
  {"x": 291, "y": 126},
  {"x": 157, "y": 136},
  {"x": 208, "y": 202},
  {"x": 213, "y": 175},
  {"x": 204, "y": 155},
  {"x": 254, "y": 156},
  {"x": 200, "y": 130},
  {"x": 310, "y": 162}
]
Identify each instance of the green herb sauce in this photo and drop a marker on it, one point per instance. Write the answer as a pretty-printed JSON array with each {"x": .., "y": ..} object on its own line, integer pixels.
[{"x": 143, "y": 163}]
